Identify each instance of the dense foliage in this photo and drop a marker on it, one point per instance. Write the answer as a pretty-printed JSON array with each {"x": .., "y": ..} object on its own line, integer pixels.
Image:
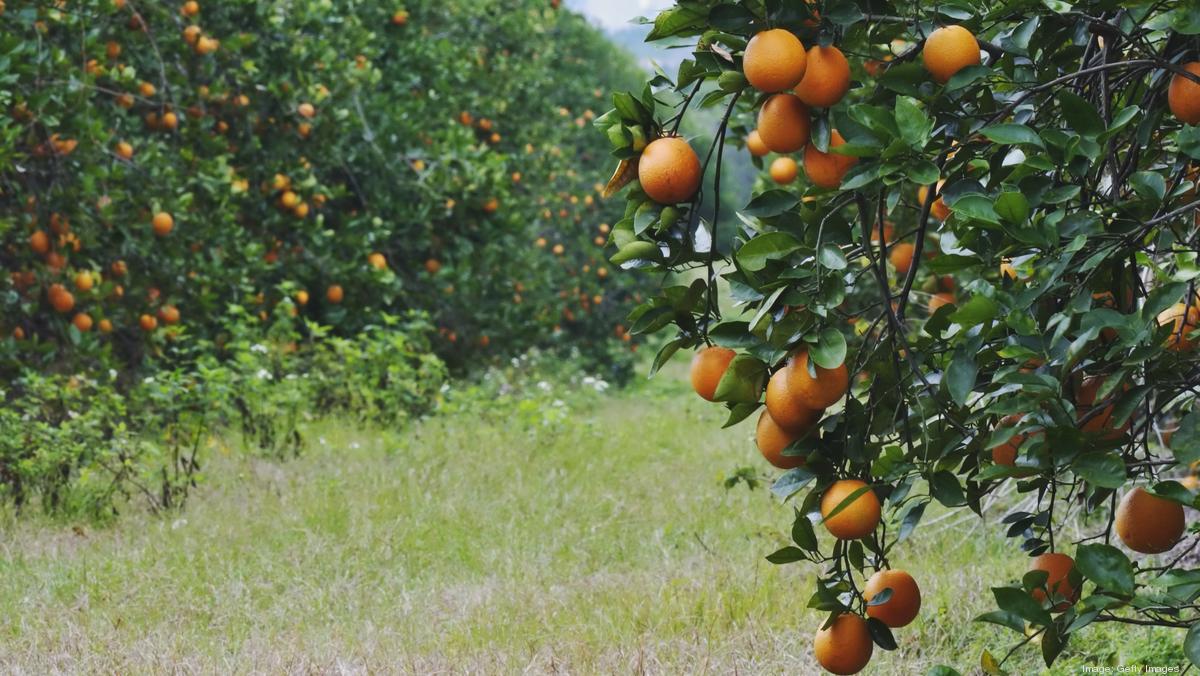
[
  {"x": 1000, "y": 269},
  {"x": 249, "y": 213}
]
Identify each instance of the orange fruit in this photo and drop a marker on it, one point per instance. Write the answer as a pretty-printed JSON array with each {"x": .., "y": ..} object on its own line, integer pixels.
[
  {"x": 1085, "y": 401},
  {"x": 1058, "y": 567},
  {"x": 818, "y": 393},
  {"x": 844, "y": 647},
  {"x": 940, "y": 300},
  {"x": 335, "y": 294},
  {"x": 939, "y": 210},
  {"x": 1183, "y": 96},
  {"x": 432, "y": 266},
  {"x": 148, "y": 323},
  {"x": 783, "y": 123},
  {"x": 302, "y": 297},
  {"x": 708, "y": 367},
  {"x": 39, "y": 241},
  {"x": 106, "y": 326},
  {"x": 82, "y": 322},
  {"x": 901, "y": 256},
  {"x": 785, "y": 409},
  {"x": 826, "y": 170},
  {"x": 755, "y": 145},
  {"x": 948, "y": 50},
  {"x": 669, "y": 170},
  {"x": 60, "y": 299},
  {"x": 775, "y": 61},
  {"x": 558, "y": 249},
  {"x": 772, "y": 439},
  {"x": 859, "y": 518},
  {"x": 1147, "y": 523},
  {"x": 84, "y": 281},
  {"x": 377, "y": 261},
  {"x": 163, "y": 223},
  {"x": 1006, "y": 453},
  {"x": 169, "y": 314},
  {"x": 904, "y": 604},
  {"x": 124, "y": 150},
  {"x": 827, "y": 78},
  {"x": 1184, "y": 319},
  {"x": 190, "y": 8},
  {"x": 306, "y": 110},
  {"x": 784, "y": 170}
]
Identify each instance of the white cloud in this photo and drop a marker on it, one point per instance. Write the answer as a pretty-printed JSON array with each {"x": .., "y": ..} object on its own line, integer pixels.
[{"x": 617, "y": 13}]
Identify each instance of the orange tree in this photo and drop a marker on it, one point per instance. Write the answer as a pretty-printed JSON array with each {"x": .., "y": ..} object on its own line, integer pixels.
[
  {"x": 972, "y": 275},
  {"x": 164, "y": 166}
]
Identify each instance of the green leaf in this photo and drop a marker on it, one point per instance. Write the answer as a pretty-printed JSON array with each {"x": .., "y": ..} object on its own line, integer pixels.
[
  {"x": 922, "y": 172},
  {"x": 831, "y": 256},
  {"x": 791, "y": 481},
  {"x": 1013, "y": 207},
  {"x": 945, "y": 488},
  {"x": 1103, "y": 469},
  {"x": 977, "y": 207},
  {"x": 743, "y": 380},
  {"x": 771, "y": 203},
  {"x": 802, "y": 532},
  {"x": 636, "y": 251},
  {"x": 771, "y": 246},
  {"x": 880, "y": 634},
  {"x": 1185, "y": 443},
  {"x": 1149, "y": 185},
  {"x": 1191, "y": 644},
  {"x": 1017, "y": 601},
  {"x": 1012, "y": 134},
  {"x": 786, "y": 555},
  {"x": 830, "y": 351},
  {"x": 915, "y": 126},
  {"x": 961, "y": 375},
  {"x": 977, "y": 310},
  {"x": 1080, "y": 114},
  {"x": 1107, "y": 566}
]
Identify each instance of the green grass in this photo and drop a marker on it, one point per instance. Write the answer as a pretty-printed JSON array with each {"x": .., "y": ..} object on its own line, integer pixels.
[{"x": 499, "y": 541}]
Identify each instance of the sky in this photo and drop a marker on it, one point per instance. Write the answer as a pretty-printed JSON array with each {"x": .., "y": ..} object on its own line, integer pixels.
[{"x": 617, "y": 13}]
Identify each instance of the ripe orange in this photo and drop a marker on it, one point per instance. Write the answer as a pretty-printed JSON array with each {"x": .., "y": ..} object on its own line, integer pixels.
[
  {"x": 827, "y": 78},
  {"x": 939, "y": 210},
  {"x": 190, "y": 8},
  {"x": 169, "y": 120},
  {"x": 39, "y": 241},
  {"x": 377, "y": 261},
  {"x": 1184, "y": 319},
  {"x": 163, "y": 223},
  {"x": 148, "y": 323},
  {"x": 1085, "y": 401},
  {"x": 106, "y": 326},
  {"x": 1147, "y": 523},
  {"x": 940, "y": 300},
  {"x": 306, "y": 110},
  {"x": 124, "y": 150},
  {"x": 755, "y": 145},
  {"x": 826, "y": 170},
  {"x": 1058, "y": 567},
  {"x": 902, "y": 608},
  {"x": 60, "y": 299},
  {"x": 84, "y": 281},
  {"x": 82, "y": 322},
  {"x": 901, "y": 257},
  {"x": 948, "y": 50},
  {"x": 432, "y": 266},
  {"x": 772, "y": 439},
  {"x": 784, "y": 170},
  {"x": 1183, "y": 96},
  {"x": 775, "y": 61},
  {"x": 708, "y": 367},
  {"x": 301, "y": 297},
  {"x": 400, "y": 17},
  {"x": 558, "y": 249},
  {"x": 818, "y": 393},
  {"x": 335, "y": 294},
  {"x": 858, "y": 519},
  {"x": 169, "y": 314},
  {"x": 844, "y": 647},
  {"x": 783, "y": 123},
  {"x": 669, "y": 170},
  {"x": 785, "y": 409},
  {"x": 1006, "y": 453}
]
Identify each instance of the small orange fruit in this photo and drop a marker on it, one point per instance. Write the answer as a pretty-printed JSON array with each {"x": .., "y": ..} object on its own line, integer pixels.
[
  {"x": 39, "y": 241},
  {"x": 939, "y": 210},
  {"x": 903, "y": 606},
  {"x": 1183, "y": 96},
  {"x": 163, "y": 223},
  {"x": 940, "y": 300},
  {"x": 775, "y": 61},
  {"x": 784, "y": 170},
  {"x": 82, "y": 322},
  {"x": 433, "y": 266},
  {"x": 948, "y": 50},
  {"x": 1184, "y": 319},
  {"x": 105, "y": 326},
  {"x": 124, "y": 151},
  {"x": 845, "y": 647},
  {"x": 826, "y": 170},
  {"x": 669, "y": 170},
  {"x": 755, "y": 145},
  {"x": 306, "y": 110},
  {"x": 785, "y": 409},
  {"x": 859, "y": 518},
  {"x": 1058, "y": 567},
  {"x": 84, "y": 281},
  {"x": 901, "y": 257},
  {"x": 148, "y": 323},
  {"x": 335, "y": 294},
  {"x": 1147, "y": 523},
  {"x": 772, "y": 439},
  {"x": 783, "y": 123},
  {"x": 820, "y": 392},
  {"x": 708, "y": 367},
  {"x": 827, "y": 78},
  {"x": 377, "y": 261}
]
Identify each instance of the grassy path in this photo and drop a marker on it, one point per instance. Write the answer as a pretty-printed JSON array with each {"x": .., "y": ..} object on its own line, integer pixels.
[{"x": 486, "y": 542}]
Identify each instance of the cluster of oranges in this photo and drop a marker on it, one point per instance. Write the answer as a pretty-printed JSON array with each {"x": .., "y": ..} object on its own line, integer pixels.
[{"x": 797, "y": 396}]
